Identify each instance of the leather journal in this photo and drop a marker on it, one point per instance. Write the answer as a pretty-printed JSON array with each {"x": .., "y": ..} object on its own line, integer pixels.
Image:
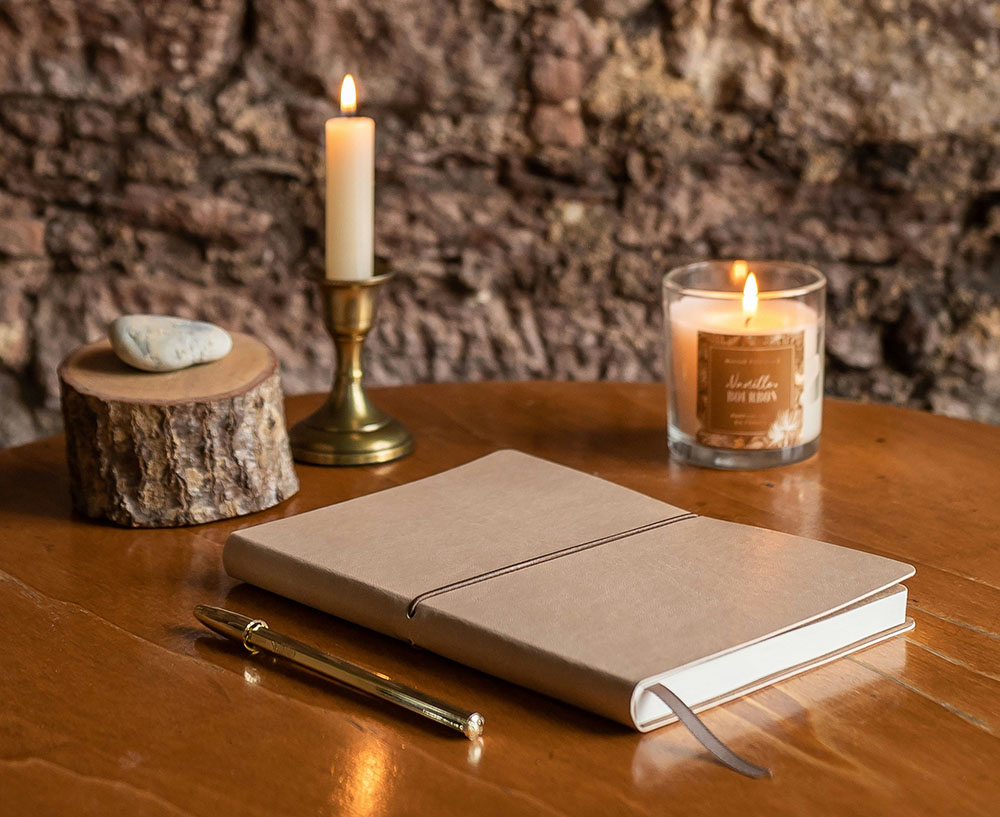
[{"x": 579, "y": 588}]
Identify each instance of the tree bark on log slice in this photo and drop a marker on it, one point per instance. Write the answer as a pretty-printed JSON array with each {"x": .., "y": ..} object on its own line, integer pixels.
[{"x": 176, "y": 448}]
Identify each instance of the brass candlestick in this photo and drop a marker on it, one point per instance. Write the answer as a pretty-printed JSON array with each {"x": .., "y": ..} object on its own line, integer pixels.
[{"x": 348, "y": 429}]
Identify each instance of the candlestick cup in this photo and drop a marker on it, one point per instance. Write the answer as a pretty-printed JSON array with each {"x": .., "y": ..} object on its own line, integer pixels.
[
  {"x": 744, "y": 362},
  {"x": 348, "y": 429}
]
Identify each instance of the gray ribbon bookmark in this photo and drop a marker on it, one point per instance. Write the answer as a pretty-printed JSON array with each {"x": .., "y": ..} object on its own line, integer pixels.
[{"x": 705, "y": 736}]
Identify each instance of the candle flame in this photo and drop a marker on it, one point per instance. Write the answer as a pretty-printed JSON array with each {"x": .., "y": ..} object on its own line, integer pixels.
[
  {"x": 750, "y": 296},
  {"x": 348, "y": 95},
  {"x": 739, "y": 271}
]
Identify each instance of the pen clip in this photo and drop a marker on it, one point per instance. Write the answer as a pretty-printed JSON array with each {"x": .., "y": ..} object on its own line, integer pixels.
[{"x": 249, "y": 630}]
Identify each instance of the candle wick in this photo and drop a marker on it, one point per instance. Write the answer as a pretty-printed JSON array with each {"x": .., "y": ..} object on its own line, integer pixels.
[{"x": 747, "y": 322}]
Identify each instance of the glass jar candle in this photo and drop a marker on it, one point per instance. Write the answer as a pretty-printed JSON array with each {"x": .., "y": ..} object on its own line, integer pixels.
[{"x": 744, "y": 362}]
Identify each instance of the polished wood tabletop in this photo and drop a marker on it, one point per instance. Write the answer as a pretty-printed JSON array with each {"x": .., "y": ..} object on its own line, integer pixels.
[{"x": 113, "y": 700}]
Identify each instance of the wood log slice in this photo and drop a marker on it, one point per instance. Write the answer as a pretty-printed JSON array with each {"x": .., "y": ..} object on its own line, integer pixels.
[{"x": 176, "y": 448}]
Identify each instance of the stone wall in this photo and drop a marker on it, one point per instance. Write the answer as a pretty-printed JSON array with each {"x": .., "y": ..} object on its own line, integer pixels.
[{"x": 540, "y": 164}]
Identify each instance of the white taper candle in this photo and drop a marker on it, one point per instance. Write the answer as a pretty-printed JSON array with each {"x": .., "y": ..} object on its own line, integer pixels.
[{"x": 350, "y": 191}]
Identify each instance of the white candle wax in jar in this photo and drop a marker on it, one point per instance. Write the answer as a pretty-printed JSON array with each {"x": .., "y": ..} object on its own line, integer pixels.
[
  {"x": 747, "y": 373},
  {"x": 350, "y": 191}
]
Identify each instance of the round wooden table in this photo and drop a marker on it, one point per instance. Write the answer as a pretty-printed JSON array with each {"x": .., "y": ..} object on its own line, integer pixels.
[{"x": 116, "y": 701}]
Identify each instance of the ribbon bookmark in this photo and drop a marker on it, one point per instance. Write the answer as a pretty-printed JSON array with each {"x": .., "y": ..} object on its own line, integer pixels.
[{"x": 705, "y": 736}]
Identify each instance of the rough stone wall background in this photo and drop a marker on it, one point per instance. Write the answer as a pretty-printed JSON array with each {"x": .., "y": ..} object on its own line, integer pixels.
[{"x": 539, "y": 165}]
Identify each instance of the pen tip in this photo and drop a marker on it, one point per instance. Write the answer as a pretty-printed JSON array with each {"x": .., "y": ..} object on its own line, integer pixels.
[
  {"x": 225, "y": 622},
  {"x": 211, "y": 617}
]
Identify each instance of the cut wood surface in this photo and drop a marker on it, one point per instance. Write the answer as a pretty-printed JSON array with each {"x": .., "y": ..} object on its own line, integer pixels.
[
  {"x": 95, "y": 370},
  {"x": 175, "y": 448},
  {"x": 115, "y": 701}
]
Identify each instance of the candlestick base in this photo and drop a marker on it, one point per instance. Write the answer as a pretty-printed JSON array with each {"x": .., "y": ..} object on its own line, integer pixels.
[
  {"x": 317, "y": 440},
  {"x": 348, "y": 429}
]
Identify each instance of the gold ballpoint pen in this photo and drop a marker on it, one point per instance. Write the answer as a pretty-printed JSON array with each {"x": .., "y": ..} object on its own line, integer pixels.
[{"x": 257, "y": 636}]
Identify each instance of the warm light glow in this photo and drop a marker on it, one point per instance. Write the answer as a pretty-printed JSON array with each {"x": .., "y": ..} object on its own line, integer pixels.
[
  {"x": 475, "y": 752},
  {"x": 750, "y": 296},
  {"x": 348, "y": 95},
  {"x": 364, "y": 785},
  {"x": 740, "y": 270}
]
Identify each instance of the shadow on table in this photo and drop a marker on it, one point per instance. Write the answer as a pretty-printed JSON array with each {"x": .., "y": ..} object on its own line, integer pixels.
[
  {"x": 34, "y": 481},
  {"x": 636, "y": 446}
]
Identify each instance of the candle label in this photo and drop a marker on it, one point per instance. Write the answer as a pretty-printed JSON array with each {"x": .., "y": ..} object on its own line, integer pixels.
[{"x": 750, "y": 390}]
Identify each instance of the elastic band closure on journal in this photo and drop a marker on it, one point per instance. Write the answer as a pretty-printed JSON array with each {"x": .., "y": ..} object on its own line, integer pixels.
[
  {"x": 696, "y": 726},
  {"x": 547, "y": 557}
]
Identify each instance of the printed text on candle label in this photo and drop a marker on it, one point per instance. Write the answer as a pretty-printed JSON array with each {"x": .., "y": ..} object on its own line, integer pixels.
[
  {"x": 759, "y": 390},
  {"x": 749, "y": 389}
]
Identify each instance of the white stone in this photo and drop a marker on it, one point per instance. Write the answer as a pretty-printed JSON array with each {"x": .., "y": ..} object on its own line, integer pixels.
[{"x": 160, "y": 343}]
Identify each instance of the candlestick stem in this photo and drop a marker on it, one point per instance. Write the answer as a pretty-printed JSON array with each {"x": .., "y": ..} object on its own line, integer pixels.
[
  {"x": 348, "y": 371},
  {"x": 348, "y": 429}
]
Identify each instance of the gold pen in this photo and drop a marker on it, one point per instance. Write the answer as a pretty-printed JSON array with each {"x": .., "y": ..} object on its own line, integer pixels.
[{"x": 257, "y": 636}]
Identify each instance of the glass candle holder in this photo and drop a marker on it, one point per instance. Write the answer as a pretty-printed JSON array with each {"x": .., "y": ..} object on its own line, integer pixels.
[{"x": 744, "y": 362}]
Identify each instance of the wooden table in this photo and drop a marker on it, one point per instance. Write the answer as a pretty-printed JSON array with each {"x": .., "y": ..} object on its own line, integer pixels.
[{"x": 114, "y": 701}]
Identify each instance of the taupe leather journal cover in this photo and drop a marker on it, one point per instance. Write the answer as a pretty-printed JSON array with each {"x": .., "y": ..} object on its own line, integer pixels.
[{"x": 560, "y": 581}]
